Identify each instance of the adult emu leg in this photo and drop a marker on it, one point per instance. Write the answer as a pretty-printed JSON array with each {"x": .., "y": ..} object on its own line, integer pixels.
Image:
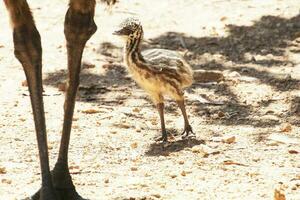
[
  {"x": 28, "y": 51},
  {"x": 78, "y": 28}
]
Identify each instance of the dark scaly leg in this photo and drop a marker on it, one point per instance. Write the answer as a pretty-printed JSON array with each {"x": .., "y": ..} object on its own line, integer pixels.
[
  {"x": 187, "y": 127},
  {"x": 28, "y": 51},
  {"x": 79, "y": 27}
]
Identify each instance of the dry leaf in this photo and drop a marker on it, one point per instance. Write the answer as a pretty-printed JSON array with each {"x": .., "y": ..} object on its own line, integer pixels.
[
  {"x": 223, "y": 18},
  {"x": 137, "y": 110},
  {"x": 24, "y": 83},
  {"x": 292, "y": 151},
  {"x": 134, "y": 145},
  {"x": 123, "y": 125},
  {"x": 90, "y": 111},
  {"x": 279, "y": 194},
  {"x": 286, "y": 127},
  {"x": 22, "y": 119},
  {"x": 73, "y": 167},
  {"x": 230, "y": 162},
  {"x": 3, "y": 170}
]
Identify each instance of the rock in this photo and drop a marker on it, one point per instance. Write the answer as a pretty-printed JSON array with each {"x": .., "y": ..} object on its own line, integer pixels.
[
  {"x": 183, "y": 173},
  {"x": 234, "y": 74},
  {"x": 138, "y": 129},
  {"x": 87, "y": 65},
  {"x": 62, "y": 87},
  {"x": 22, "y": 119},
  {"x": 286, "y": 127},
  {"x": 6, "y": 181},
  {"x": 181, "y": 162},
  {"x": 216, "y": 139},
  {"x": 153, "y": 121},
  {"x": 133, "y": 168},
  {"x": 3, "y": 170},
  {"x": 228, "y": 139},
  {"x": 221, "y": 114},
  {"x": 196, "y": 149},
  {"x": 137, "y": 110},
  {"x": 173, "y": 175},
  {"x": 24, "y": 83},
  {"x": 106, "y": 180},
  {"x": 223, "y": 18},
  {"x": 158, "y": 196},
  {"x": 203, "y": 149},
  {"x": 134, "y": 145},
  {"x": 123, "y": 125}
]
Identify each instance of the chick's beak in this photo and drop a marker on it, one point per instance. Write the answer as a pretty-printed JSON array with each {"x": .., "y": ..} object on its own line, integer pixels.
[{"x": 118, "y": 32}]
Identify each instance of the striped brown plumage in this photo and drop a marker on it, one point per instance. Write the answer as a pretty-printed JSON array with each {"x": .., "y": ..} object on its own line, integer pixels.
[{"x": 159, "y": 72}]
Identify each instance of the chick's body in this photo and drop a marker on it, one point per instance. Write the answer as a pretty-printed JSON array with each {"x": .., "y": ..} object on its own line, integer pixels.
[
  {"x": 158, "y": 71},
  {"x": 167, "y": 73}
]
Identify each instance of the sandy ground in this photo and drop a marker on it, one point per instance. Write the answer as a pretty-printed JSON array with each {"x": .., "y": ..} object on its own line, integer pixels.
[{"x": 255, "y": 44}]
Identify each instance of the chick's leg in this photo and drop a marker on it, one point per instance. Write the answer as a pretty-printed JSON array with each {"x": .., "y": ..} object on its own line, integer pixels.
[
  {"x": 158, "y": 100},
  {"x": 160, "y": 108},
  {"x": 187, "y": 127}
]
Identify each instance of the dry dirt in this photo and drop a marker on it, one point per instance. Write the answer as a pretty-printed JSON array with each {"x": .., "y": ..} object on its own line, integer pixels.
[{"x": 247, "y": 126}]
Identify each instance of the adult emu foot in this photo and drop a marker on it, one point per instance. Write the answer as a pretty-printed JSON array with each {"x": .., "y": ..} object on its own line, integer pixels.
[
  {"x": 64, "y": 188},
  {"x": 45, "y": 193},
  {"x": 60, "y": 194}
]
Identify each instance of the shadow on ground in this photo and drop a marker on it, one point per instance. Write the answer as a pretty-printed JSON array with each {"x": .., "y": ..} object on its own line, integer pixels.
[
  {"x": 160, "y": 149},
  {"x": 92, "y": 85},
  {"x": 268, "y": 37}
]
